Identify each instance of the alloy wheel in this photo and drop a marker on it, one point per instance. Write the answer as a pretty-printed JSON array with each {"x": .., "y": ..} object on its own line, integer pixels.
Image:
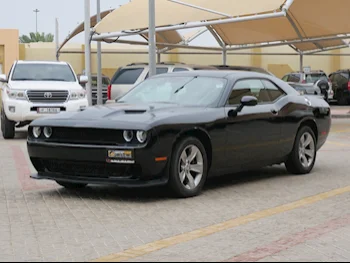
[
  {"x": 190, "y": 168},
  {"x": 306, "y": 150}
]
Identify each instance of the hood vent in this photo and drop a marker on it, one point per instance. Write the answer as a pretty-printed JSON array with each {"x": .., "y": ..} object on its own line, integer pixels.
[{"x": 134, "y": 111}]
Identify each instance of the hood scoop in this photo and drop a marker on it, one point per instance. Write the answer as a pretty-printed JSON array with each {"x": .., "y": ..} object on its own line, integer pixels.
[{"x": 134, "y": 111}]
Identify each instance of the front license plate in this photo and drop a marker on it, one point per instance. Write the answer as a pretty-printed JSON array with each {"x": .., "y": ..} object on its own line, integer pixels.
[
  {"x": 49, "y": 110},
  {"x": 120, "y": 156}
]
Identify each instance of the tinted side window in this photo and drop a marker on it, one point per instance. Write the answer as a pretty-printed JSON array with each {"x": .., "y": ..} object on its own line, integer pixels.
[
  {"x": 159, "y": 71},
  {"x": 273, "y": 90},
  {"x": 285, "y": 78},
  {"x": 342, "y": 78},
  {"x": 251, "y": 87},
  {"x": 127, "y": 76},
  {"x": 294, "y": 78},
  {"x": 180, "y": 69}
]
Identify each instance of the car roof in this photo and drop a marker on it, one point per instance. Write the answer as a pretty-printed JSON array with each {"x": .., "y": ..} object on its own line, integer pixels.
[
  {"x": 232, "y": 74},
  {"x": 41, "y": 62}
]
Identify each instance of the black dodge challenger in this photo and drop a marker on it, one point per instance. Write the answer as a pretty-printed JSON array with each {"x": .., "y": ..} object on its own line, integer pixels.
[{"x": 178, "y": 129}]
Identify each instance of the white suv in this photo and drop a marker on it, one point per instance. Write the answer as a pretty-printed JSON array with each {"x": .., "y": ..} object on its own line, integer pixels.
[
  {"x": 35, "y": 89},
  {"x": 129, "y": 76}
]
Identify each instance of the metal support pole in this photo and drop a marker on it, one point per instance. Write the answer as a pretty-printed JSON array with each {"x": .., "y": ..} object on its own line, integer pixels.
[
  {"x": 224, "y": 56},
  {"x": 99, "y": 60},
  {"x": 57, "y": 40},
  {"x": 301, "y": 66},
  {"x": 87, "y": 26},
  {"x": 159, "y": 57},
  {"x": 152, "y": 38},
  {"x": 36, "y": 11}
]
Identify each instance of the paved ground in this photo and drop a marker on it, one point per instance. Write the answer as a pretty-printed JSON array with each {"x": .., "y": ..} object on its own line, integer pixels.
[{"x": 265, "y": 215}]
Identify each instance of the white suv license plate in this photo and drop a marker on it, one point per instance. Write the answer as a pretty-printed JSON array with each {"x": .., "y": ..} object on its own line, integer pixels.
[{"x": 49, "y": 110}]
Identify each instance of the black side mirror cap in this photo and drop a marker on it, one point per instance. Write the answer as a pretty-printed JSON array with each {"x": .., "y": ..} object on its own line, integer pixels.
[{"x": 246, "y": 101}]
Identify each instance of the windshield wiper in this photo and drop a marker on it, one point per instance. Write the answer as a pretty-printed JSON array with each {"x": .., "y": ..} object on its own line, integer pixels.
[
  {"x": 21, "y": 79},
  {"x": 176, "y": 91},
  {"x": 53, "y": 79}
]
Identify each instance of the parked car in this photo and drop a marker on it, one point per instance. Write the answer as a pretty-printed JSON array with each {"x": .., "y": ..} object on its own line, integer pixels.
[
  {"x": 341, "y": 86},
  {"x": 177, "y": 129},
  {"x": 35, "y": 89},
  {"x": 318, "y": 77},
  {"x": 129, "y": 76},
  {"x": 243, "y": 68},
  {"x": 105, "y": 83},
  {"x": 306, "y": 88}
]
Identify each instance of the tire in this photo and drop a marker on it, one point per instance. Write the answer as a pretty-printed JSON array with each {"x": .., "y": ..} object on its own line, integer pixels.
[
  {"x": 341, "y": 100},
  {"x": 191, "y": 182},
  {"x": 7, "y": 126},
  {"x": 71, "y": 185},
  {"x": 295, "y": 161}
]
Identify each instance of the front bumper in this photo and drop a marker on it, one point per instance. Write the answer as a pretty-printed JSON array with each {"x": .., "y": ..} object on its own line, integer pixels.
[
  {"x": 89, "y": 165},
  {"x": 27, "y": 111}
]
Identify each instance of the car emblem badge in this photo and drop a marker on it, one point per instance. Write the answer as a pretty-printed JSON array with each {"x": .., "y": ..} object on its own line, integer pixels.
[{"x": 48, "y": 95}]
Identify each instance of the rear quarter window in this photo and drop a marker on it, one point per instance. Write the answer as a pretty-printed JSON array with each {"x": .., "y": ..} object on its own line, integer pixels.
[{"x": 127, "y": 76}]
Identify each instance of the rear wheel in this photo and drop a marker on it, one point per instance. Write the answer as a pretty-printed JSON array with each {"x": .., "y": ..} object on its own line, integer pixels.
[
  {"x": 303, "y": 156},
  {"x": 341, "y": 100},
  {"x": 7, "y": 126},
  {"x": 71, "y": 185},
  {"x": 188, "y": 168}
]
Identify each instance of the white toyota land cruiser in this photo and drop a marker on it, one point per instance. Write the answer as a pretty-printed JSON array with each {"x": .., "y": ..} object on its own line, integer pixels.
[{"x": 35, "y": 89}]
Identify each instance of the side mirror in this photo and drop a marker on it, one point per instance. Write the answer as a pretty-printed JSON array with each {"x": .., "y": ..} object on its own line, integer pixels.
[
  {"x": 249, "y": 101},
  {"x": 246, "y": 101},
  {"x": 3, "y": 78},
  {"x": 83, "y": 79}
]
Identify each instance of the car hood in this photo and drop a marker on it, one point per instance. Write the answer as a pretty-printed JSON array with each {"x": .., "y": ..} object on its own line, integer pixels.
[
  {"x": 129, "y": 116},
  {"x": 44, "y": 85}
]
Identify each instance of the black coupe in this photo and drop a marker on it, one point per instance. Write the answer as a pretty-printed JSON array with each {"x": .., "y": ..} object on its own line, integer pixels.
[{"x": 180, "y": 128}]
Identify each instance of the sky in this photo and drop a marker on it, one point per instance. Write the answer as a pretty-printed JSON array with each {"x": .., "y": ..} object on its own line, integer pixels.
[{"x": 69, "y": 12}]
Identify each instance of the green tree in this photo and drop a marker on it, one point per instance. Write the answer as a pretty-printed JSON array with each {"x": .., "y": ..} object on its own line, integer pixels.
[{"x": 36, "y": 37}]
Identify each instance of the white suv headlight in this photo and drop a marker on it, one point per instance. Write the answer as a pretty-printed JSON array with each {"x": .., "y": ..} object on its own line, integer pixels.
[
  {"x": 78, "y": 95},
  {"x": 16, "y": 94}
]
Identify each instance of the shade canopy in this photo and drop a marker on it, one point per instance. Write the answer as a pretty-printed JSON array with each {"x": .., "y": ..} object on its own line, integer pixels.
[{"x": 235, "y": 22}]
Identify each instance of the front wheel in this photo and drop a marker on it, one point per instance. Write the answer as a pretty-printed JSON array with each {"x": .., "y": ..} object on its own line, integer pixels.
[
  {"x": 188, "y": 168},
  {"x": 7, "y": 126},
  {"x": 71, "y": 185},
  {"x": 303, "y": 156}
]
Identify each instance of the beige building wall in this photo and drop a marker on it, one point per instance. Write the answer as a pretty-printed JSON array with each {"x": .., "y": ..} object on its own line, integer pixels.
[
  {"x": 279, "y": 65},
  {"x": 9, "y": 48}
]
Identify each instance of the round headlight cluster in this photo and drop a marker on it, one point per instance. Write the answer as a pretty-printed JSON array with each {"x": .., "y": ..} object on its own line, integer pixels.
[
  {"x": 141, "y": 136},
  {"x": 47, "y": 131},
  {"x": 128, "y": 135},
  {"x": 37, "y": 132}
]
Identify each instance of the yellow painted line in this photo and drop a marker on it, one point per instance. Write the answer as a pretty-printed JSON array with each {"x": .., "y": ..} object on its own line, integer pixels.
[
  {"x": 339, "y": 143},
  {"x": 340, "y": 131},
  {"x": 206, "y": 231}
]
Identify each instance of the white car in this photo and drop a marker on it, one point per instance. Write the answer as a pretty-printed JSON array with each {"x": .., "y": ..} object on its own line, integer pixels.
[
  {"x": 35, "y": 89},
  {"x": 131, "y": 75}
]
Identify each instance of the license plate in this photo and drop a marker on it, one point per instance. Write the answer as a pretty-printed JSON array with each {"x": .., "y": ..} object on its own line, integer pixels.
[
  {"x": 120, "y": 156},
  {"x": 49, "y": 110}
]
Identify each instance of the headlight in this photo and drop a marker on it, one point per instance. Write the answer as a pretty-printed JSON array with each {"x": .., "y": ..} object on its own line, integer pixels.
[
  {"x": 16, "y": 94},
  {"x": 128, "y": 135},
  {"x": 78, "y": 95},
  {"x": 48, "y": 132},
  {"x": 36, "y": 132},
  {"x": 141, "y": 136}
]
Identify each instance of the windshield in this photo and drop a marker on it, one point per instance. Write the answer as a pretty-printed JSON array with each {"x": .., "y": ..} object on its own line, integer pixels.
[
  {"x": 43, "y": 72},
  {"x": 191, "y": 91}
]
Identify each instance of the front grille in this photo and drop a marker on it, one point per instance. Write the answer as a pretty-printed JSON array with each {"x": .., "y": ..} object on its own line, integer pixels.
[
  {"x": 48, "y": 96},
  {"x": 88, "y": 169},
  {"x": 87, "y": 136}
]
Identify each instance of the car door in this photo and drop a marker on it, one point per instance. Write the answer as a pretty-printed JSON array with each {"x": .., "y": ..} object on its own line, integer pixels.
[{"x": 254, "y": 135}]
